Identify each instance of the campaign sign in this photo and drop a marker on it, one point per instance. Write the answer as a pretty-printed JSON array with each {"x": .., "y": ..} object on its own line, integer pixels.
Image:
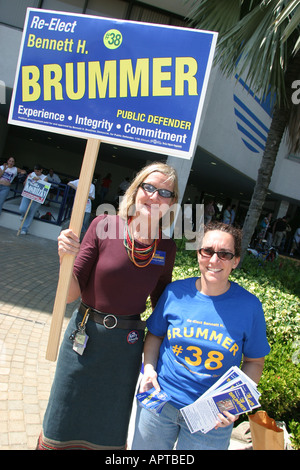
[
  {"x": 36, "y": 190},
  {"x": 134, "y": 84}
]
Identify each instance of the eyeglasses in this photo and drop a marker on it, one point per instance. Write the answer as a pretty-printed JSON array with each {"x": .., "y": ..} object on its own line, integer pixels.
[
  {"x": 209, "y": 252},
  {"x": 149, "y": 188}
]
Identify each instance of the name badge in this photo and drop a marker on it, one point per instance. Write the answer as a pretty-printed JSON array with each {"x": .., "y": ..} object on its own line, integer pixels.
[{"x": 159, "y": 258}]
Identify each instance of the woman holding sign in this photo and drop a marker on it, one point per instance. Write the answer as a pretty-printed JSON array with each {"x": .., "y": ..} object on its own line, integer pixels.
[
  {"x": 122, "y": 260},
  {"x": 198, "y": 330}
]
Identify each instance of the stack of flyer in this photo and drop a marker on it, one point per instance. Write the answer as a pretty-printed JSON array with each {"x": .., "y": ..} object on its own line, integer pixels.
[{"x": 234, "y": 392}]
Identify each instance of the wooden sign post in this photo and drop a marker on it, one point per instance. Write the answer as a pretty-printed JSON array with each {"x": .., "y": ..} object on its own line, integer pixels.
[
  {"x": 66, "y": 267},
  {"x": 24, "y": 218}
]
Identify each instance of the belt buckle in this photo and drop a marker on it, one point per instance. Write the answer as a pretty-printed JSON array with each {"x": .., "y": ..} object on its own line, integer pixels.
[{"x": 106, "y": 318}]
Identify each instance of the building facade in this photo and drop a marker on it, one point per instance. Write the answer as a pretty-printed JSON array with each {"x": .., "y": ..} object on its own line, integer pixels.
[{"x": 232, "y": 132}]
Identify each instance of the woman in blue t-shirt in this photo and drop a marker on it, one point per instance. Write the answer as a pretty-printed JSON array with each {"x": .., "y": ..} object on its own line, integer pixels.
[{"x": 198, "y": 330}]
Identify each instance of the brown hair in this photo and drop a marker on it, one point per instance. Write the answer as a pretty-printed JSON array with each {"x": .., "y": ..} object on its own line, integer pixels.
[{"x": 235, "y": 232}]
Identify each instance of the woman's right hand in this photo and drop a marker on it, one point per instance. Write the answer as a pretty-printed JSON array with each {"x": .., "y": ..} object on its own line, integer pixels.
[{"x": 68, "y": 243}]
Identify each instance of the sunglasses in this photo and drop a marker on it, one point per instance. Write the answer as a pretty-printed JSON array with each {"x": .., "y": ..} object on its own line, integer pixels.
[
  {"x": 209, "y": 252},
  {"x": 149, "y": 188}
]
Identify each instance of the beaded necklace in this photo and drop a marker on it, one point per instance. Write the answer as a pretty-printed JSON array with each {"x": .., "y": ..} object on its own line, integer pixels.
[{"x": 141, "y": 257}]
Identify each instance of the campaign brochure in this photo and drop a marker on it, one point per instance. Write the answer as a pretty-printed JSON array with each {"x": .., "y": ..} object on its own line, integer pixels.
[
  {"x": 234, "y": 392},
  {"x": 153, "y": 400}
]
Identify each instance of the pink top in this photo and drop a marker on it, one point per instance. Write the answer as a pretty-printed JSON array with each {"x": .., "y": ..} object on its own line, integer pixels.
[{"x": 108, "y": 280}]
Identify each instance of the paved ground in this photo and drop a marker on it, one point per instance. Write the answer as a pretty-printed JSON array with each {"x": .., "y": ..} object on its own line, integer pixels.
[{"x": 28, "y": 279}]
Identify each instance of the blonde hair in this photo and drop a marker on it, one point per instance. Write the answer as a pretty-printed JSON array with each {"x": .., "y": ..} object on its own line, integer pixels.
[{"x": 128, "y": 200}]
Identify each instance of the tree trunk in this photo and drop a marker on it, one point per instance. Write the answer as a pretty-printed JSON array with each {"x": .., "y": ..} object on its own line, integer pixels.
[
  {"x": 278, "y": 126},
  {"x": 279, "y": 123}
]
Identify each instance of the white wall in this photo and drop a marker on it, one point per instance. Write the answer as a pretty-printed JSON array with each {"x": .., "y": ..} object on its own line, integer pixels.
[
  {"x": 221, "y": 137},
  {"x": 10, "y": 40}
]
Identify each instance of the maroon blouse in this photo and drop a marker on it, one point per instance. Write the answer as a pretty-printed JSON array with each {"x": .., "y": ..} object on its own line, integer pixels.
[{"x": 108, "y": 280}]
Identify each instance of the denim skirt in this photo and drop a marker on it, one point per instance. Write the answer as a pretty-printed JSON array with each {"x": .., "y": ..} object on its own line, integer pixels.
[{"x": 91, "y": 397}]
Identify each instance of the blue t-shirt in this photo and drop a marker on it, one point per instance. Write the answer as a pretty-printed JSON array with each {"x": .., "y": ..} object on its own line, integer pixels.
[{"x": 204, "y": 337}]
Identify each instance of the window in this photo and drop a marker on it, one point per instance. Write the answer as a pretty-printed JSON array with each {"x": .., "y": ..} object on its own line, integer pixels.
[
  {"x": 74, "y": 6},
  {"x": 111, "y": 9},
  {"x": 139, "y": 13},
  {"x": 13, "y": 12}
]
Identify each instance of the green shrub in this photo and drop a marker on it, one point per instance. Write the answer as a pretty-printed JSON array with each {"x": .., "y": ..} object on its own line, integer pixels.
[
  {"x": 270, "y": 282},
  {"x": 295, "y": 430},
  {"x": 279, "y": 385}
]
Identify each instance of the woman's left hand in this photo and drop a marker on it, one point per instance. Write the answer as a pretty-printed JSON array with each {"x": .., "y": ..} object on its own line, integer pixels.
[{"x": 225, "y": 420}]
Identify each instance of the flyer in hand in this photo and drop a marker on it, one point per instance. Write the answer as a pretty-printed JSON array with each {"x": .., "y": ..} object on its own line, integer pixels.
[
  {"x": 234, "y": 392},
  {"x": 153, "y": 400}
]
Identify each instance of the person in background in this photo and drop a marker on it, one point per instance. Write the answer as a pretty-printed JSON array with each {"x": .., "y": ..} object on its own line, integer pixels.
[
  {"x": 232, "y": 214},
  {"x": 106, "y": 182},
  {"x": 187, "y": 217},
  {"x": 54, "y": 179},
  {"x": 8, "y": 172},
  {"x": 88, "y": 207},
  {"x": 263, "y": 227},
  {"x": 227, "y": 215},
  {"x": 280, "y": 228},
  {"x": 123, "y": 186},
  {"x": 36, "y": 175},
  {"x": 295, "y": 242},
  {"x": 200, "y": 328},
  {"x": 209, "y": 212},
  {"x": 123, "y": 259}
]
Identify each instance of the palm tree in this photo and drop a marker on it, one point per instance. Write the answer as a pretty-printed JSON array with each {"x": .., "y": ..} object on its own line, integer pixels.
[{"x": 259, "y": 38}]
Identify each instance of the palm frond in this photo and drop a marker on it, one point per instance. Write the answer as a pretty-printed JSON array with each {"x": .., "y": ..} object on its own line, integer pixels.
[
  {"x": 257, "y": 40},
  {"x": 207, "y": 14},
  {"x": 253, "y": 47},
  {"x": 297, "y": 46},
  {"x": 253, "y": 42},
  {"x": 291, "y": 13},
  {"x": 292, "y": 8}
]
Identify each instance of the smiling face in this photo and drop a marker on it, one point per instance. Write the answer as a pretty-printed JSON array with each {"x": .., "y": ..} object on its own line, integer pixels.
[
  {"x": 11, "y": 162},
  {"x": 214, "y": 271},
  {"x": 152, "y": 205}
]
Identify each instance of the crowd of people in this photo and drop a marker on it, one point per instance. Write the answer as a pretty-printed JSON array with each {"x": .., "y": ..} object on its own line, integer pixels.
[
  {"x": 10, "y": 173},
  {"x": 275, "y": 233},
  {"x": 212, "y": 212}
]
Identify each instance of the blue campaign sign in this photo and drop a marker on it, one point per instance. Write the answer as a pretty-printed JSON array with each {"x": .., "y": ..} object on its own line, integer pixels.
[{"x": 134, "y": 84}]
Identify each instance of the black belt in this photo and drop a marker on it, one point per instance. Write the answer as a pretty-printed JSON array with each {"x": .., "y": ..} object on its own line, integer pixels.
[{"x": 111, "y": 321}]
